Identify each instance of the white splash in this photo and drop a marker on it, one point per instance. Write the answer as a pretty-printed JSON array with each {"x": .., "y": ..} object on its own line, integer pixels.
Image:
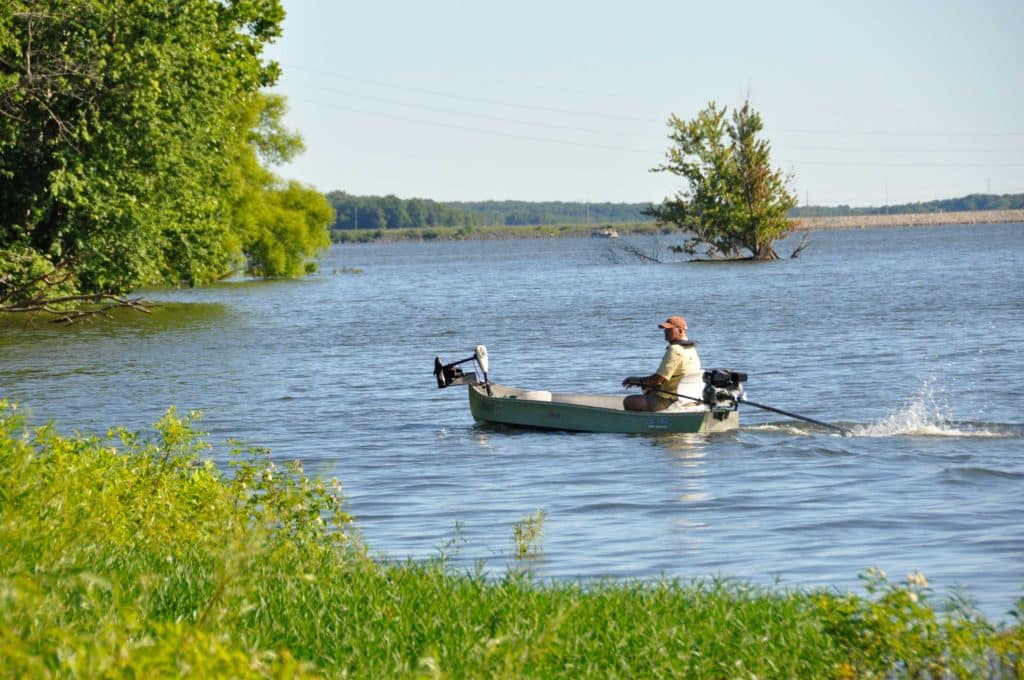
[{"x": 927, "y": 416}]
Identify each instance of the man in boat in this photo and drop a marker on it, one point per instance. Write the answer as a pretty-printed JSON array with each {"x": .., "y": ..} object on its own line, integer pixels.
[{"x": 680, "y": 359}]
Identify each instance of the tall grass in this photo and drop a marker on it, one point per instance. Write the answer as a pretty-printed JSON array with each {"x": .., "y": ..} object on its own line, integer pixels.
[{"x": 132, "y": 556}]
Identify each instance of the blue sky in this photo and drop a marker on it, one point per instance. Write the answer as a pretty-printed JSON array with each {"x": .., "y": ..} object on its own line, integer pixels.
[{"x": 865, "y": 103}]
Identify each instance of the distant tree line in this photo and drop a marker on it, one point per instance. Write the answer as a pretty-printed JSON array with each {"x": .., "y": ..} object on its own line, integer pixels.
[
  {"x": 968, "y": 203},
  {"x": 391, "y": 212},
  {"x": 516, "y": 213}
]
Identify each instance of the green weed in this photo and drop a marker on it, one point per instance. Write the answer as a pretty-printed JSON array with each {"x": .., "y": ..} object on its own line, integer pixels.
[
  {"x": 130, "y": 555},
  {"x": 526, "y": 535}
]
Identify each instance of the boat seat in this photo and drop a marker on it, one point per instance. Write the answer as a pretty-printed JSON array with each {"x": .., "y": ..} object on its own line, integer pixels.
[
  {"x": 594, "y": 400},
  {"x": 683, "y": 405},
  {"x": 691, "y": 387}
]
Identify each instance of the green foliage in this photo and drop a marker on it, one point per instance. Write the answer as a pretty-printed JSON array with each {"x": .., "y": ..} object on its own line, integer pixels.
[
  {"x": 125, "y": 152},
  {"x": 280, "y": 224},
  {"x": 899, "y": 631},
  {"x": 522, "y": 213},
  {"x": 391, "y": 212},
  {"x": 734, "y": 202},
  {"x": 26, "y": 276},
  {"x": 113, "y": 139},
  {"x": 132, "y": 556},
  {"x": 526, "y": 535}
]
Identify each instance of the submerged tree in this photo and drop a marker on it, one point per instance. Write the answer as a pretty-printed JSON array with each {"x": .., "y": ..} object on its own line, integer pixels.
[{"x": 734, "y": 203}]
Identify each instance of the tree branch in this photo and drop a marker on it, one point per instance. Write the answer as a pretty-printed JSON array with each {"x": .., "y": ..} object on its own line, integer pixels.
[
  {"x": 799, "y": 249},
  {"x": 102, "y": 302}
]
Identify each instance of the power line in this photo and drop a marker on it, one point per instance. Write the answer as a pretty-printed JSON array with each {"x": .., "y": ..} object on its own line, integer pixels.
[
  {"x": 469, "y": 114},
  {"x": 893, "y": 133},
  {"x": 466, "y": 98},
  {"x": 837, "y": 149},
  {"x": 448, "y": 112},
  {"x": 615, "y": 116},
  {"x": 646, "y": 151},
  {"x": 903, "y": 165},
  {"x": 484, "y": 131}
]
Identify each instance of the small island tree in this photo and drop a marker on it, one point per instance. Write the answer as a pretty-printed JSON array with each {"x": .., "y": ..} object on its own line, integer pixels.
[{"x": 734, "y": 203}]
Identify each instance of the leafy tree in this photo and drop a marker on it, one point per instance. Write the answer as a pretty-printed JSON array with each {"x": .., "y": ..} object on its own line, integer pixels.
[
  {"x": 279, "y": 224},
  {"x": 734, "y": 202},
  {"x": 120, "y": 144}
]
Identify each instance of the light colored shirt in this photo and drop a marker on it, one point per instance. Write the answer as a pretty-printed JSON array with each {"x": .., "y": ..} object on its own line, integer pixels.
[{"x": 678, "y": 361}]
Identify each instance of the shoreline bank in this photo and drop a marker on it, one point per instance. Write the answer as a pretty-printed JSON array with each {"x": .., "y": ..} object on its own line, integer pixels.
[
  {"x": 496, "y": 233},
  {"x": 910, "y": 220}
]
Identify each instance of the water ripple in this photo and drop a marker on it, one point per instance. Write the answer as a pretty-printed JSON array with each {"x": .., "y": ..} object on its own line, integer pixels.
[{"x": 891, "y": 333}]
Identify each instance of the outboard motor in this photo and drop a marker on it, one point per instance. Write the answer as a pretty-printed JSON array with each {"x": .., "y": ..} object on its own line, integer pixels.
[
  {"x": 450, "y": 374},
  {"x": 722, "y": 388}
]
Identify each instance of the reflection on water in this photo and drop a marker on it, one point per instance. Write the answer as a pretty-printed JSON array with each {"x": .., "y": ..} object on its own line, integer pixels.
[
  {"x": 684, "y": 446},
  {"x": 163, "y": 316},
  {"x": 688, "y": 456},
  {"x": 336, "y": 370},
  {"x": 689, "y": 534}
]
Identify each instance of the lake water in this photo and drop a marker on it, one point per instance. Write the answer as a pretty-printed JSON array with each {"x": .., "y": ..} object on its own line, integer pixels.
[{"x": 910, "y": 337}]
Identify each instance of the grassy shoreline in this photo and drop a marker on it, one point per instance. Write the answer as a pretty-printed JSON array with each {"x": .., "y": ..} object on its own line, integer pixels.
[
  {"x": 132, "y": 556},
  {"x": 911, "y": 220},
  {"x": 589, "y": 230}
]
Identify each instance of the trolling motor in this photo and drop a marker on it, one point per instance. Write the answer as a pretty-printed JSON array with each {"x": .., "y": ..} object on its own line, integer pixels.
[
  {"x": 450, "y": 374},
  {"x": 722, "y": 388}
]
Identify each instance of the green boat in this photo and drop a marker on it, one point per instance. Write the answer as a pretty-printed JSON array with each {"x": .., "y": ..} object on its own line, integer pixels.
[{"x": 715, "y": 410}]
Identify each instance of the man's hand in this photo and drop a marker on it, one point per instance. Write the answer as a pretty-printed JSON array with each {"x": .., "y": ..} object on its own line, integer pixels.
[{"x": 633, "y": 381}]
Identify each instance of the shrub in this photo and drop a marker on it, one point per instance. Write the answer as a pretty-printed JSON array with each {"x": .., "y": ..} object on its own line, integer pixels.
[{"x": 131, "y": 555}]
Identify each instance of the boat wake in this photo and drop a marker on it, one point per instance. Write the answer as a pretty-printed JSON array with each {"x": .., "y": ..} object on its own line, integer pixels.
[{"x": 928, "y": 416}]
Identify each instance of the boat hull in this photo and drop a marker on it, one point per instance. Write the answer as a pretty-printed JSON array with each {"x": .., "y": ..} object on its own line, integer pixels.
[{"x": 580, "y": 413}]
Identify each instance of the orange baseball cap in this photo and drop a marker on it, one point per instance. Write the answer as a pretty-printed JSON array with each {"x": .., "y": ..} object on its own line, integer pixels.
[{"x": 674, "y": 322}]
